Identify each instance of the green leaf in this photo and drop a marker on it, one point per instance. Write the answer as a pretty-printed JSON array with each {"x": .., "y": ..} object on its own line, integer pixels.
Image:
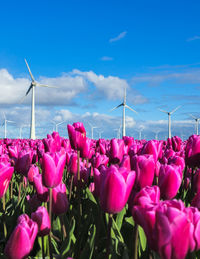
[
  {"x": 142, "y": 236},
  {"x": 89, "y": 247},
  {"x": 90, "y": 196},
  {"x": 67, "y": 242},
  {"x": 130, "y": 221},
  {"x": 120, "y": 217}
]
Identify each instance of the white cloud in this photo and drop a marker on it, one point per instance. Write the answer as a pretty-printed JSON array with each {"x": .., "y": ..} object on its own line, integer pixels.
[
  {"x": 193, "y": 38},
  {"x": 106, "y": 58},
  {"x": 112, "y": 86},
  {"x": 118, "y": 37}
]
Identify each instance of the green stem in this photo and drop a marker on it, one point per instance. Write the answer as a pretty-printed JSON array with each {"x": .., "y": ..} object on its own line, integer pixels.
[
  {"x": 135, "y": 242},
  {"x": 43, "y": 254},
  {"x": 63, "y": 227},
  {"x": 70, "y": 188},
  {"x": 4, "y": 221},
  {"x": 109, "y": 237}
]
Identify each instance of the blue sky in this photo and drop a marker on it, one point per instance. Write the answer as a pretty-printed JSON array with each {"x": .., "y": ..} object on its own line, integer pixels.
[{"x": 90, "y": 50}]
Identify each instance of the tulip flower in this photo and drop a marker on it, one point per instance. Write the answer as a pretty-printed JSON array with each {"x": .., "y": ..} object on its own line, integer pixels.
[
  {"x": 22, "y": 239},
  {"x": 33, "y": 170},
  {"x": 41, "y": 217},
  {"x": 52, "y": 169},
  {"x": 42, "y": 191},
  {"x": 169, "y": 180},
  {"x": 116, "y": 185},
  {"x": 153, "y": 147},
  {"x": 23, "y": 162},
  {"x": 192, "y": 151},
  {"x": 59, "y": 199},
  {"x": 6, "y": 172},
  {"x": 99, "y": 159},
  {"x": 144, "y": 165},
  {"x": 116, "y": 150},
  {"x": 77, "y": 135}
]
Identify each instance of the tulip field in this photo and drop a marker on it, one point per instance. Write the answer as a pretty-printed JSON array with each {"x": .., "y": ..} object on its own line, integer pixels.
[{"x": 82, "y": 198}]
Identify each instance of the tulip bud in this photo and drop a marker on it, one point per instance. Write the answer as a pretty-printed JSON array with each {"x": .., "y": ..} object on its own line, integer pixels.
[
  {"x": 22, "y": 239},
  {"x": 6, "y": 172},
  {"x": 41, "y": 217},
  {"x": 52, "y": 169},
  {"x": 59, "y": 199},
  {"x": 115, "y": 188},
  {"x": 77, "y": 135}
]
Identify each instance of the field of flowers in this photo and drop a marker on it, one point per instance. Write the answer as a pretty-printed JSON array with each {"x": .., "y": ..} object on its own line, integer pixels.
[{"x": 82, "y": 198}]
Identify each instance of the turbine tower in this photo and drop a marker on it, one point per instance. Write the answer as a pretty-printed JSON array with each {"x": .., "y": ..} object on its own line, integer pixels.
[
  {"x": 197, "y": 123},
  {"x": 92, "y": 128},
  {"x": 32, "y": 87},
  {"x": 123, "y": 114},
  {"x": 5, "y": 125},
  {"x": 169, "y": 119}
]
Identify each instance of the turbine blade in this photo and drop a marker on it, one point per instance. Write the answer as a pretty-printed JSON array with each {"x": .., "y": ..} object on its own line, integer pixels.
[
  {"x": 175, "y": 109},
  {"x": 43, "y": 85},
  {"x": 130, "y": 108},
  {"x": 4, "y": 115},
  {"x": 162, "y": 110},
  {"x": 22, "y": 99},
  {"x": 10, "y": 121},
  {"x": 116, "y": 107},
  {"x": 29, "y": 90},
  {"x": 193, "y": 116},
  {"x": 29, "y": 71}
]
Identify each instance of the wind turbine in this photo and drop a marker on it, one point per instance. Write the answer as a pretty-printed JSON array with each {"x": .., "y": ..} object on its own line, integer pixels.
[
  {"x": 92, "y": 128},
  {"x": 123, "y": 114},
  {"x": 20, "y": 129},
  {"x": 57, "y": 124},
  {"x": 32, "y": 87},
  {"x": 5, "y": 125},
  {"x": 169, "y": 119},
  {"x": 197, "y": 123},
  {"x": 100, "y": 131}
]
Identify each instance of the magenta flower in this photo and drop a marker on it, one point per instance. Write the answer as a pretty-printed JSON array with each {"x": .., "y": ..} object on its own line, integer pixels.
[
  {"x": 60, "y": 202},
  {"x": 192, "y": 151},
  {"x": 6, "y": 172},
  {"x": 144, "y": 165},
  {"x": 33, "y": 170},
  {"x": 22, "y": 239},
  {"x": 41, "y": 217},
  {"x": 115, "y": 188},
  {"x": 153, "y": 147},
  {"x": 52, "y": 169},
  {"x": 42, "y": 191},
  {"x": 77, "y": 135},
  {"x": 169, "y": 180},
  {"x": 116, "y": 150}
]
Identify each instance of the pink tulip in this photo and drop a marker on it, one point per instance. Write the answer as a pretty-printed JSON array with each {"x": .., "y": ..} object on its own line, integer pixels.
[
  {"x": 22, "y": 239},
  {"x": 116, "y": 185},
  {"x": 60, "y": 202},
  {"x": 42, "y": 191},
  {"x": 153, "y": 147},
  {"x": 116, "y": 150},
  {"x": 33, "y": 170},
  {"x": 192, "y": 151},
  {"x": 23, "y": 162},
  {"x": 169, "y": 180},
  {"x": 41, "y": 217},
  {"x": 99, "y": 159},
  {"x": 144, "y": 165},
  {"x": 77, "y": 135},
  {"x": 52, "y": 169},
  {"x": 6, "y": 172}
]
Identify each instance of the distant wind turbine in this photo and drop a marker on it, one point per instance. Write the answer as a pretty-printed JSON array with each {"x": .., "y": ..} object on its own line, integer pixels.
[
  {"x": 197, "y": 123},
  {"x": 123, "y": 115},
  {"x": 57, "y": 124},
  {"x": 92, "y": 128},
  {"x": 100, "y": 132},
  {"x": 169, "y": 119},
  {"x": 5, "y": 125},
  {"x": 32, "y": 87}
]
